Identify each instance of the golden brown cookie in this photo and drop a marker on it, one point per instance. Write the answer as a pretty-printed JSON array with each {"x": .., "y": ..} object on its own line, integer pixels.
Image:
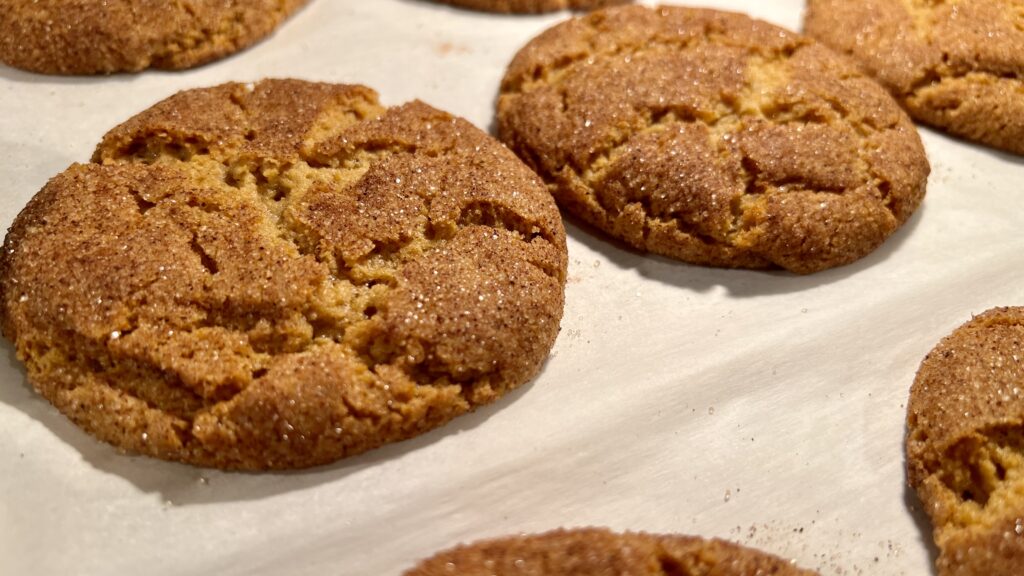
[
  {"x": 105, "y": 36},
  {"x": 283, "y": 274},
  {"x": 955, "y": 65},
  {"x": 713, "y": 138},
  {"x": 965, "y": 445},
  {"x": 598, "y": 552},
  {"x": 532, "y": 6}
]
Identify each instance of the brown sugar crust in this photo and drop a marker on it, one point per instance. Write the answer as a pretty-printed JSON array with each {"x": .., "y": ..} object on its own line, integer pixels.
[
  {"x": 955, "y": 65},
  {"x": 599, "y": 552},
  {"x": 102, "y": 37},
  {"x": 282, "y": 274},
  {"x": 713, "y": 138},
  {"x": 532, "y": 6},
  {"x": 965, "y": 445}
]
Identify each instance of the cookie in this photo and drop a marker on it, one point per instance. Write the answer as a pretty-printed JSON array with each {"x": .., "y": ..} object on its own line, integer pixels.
[
  {"x": 713, "y": 138},
  {"x": 599, "y": 552},
  {"x": 279, "y": 275},
  {"x": 965, "y": 445},
  {"x": 958, "y": 66},
  {"x": 532, "y": 6},
  {"x": 106, "y": 36}
]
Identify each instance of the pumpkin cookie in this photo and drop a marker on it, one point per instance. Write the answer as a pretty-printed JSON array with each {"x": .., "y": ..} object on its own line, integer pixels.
[
  {"x": 713, "y": 138},
  {"x": 283, "y": 274},
  {"x": 105, "y": 36},
  {"x": 965, "y": 445},
  {"x": 598, "y": 552},
  {"x": 532, "y": 6},
  {"x": 955, "y": 65}
]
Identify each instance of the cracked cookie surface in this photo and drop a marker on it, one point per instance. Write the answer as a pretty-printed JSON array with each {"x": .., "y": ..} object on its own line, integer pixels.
[
  {"x": 713, "y": 138},
  {"x": 952, "y": 64},
  {"x": 599, "y": 552},
  {"x": 965, "y": 445},
  {"x": 282, "y": 274},
  {"x": 532, "y": 6},
  {"x": 107, "y": 36}
]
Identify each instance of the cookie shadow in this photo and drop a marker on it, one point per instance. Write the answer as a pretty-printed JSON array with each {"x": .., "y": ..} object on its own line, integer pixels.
[
  {"x": 444, "y": 6},
  {"x": 179, "y": 484},
  {"x": 20, "y": 76},
  {"x": 737, "y": 282},
  {"x": 924, "y": 524},
  {"x": 1005, "y": 156},
  {"x": 937, "y": 134},
  {"x": 25, "y": 77}
]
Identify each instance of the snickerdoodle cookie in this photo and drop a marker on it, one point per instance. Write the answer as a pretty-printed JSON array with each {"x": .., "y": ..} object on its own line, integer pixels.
[
  {"x": 283, "y": 274},
  {"x": 965, "y": 445},
  {"x": 713, "y": 138},
  {"x": 106, "y": 36},
  {"x": 955, "y": 65},
  {"x": 598, "y": 552},
  {"x": 532, "y": 6}
]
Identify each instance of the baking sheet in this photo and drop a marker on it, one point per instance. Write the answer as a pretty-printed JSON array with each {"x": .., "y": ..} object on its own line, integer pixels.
[{"x": 761, "y": 407}]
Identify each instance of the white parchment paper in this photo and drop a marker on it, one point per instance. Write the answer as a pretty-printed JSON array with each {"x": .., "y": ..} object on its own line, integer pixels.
[{"x": 760, "y": 407}]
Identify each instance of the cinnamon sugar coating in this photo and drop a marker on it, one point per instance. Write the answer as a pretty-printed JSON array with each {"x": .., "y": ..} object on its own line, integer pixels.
[
  {"x": 965, "y": 445},
  {"x": 532, "y": 6},
  {"x": 713, "y": 138},
  {"x": 955, "y": 65},
  {"x": 283, "y": 274},
  {"x": 599, "y": 552},
  {"x": 106, "y": 36}
]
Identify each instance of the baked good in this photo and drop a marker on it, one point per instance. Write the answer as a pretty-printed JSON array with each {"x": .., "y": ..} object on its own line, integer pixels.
[
  {"x": 599, "y": 552},
  {"x": 712, "y": 138},
  {"x": 965, "y": 445},
  {"x": 282, "y": 274},
  {"x": 532, "y": 6},
  {"x": 105, "y": 36},
  {"x": 955, "y": 65}
]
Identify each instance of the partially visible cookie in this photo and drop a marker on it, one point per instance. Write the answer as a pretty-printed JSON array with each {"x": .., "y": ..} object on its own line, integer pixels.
[
  {"x": 955, "y": 65},
  {"x": 532, "y": 6},
  {"x": 965, "y": 445},
  {"x": 599, "y": 552},
  {"x": 106, "y": 36},
  {"x": 713, "y": 138},
  {"x": 282, "y": 274}
]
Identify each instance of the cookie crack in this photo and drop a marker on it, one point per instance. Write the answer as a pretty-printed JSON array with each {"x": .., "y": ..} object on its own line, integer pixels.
[
  {"x": 498, "y": 217},
  {"x": 338, "y": 159},
  {"x": 105, "y": 366},
  {"x": 605, "y": 157},
  {"x": 149, "y": 148},
  {"x": 936, "y": 76},
  {"x": 929, "y": 77},
  {"x": 226, "y": 36},
  {"x": 140, "y": 202},
  {"x": 1001, "y": 321},
  {"x": 655, "y": 121},
  {"x": 552, "y": 74},
  {"x": 205, "y": 259},
  {"x": 922, "y": 11},
  {"x": 880, "y": 184},
  {"x": 982, "y": 472},
  {"x": 671, "y": 566},
  {"x": 270, "y": 180},
  {"x": 275, "y": 192},
  {"x": 750, "y": 177}
]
